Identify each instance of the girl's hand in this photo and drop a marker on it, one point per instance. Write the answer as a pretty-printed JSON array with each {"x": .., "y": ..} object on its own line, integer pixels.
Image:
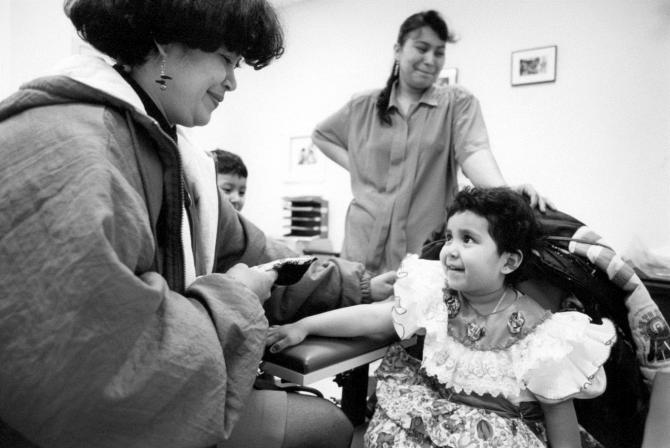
[
  {"x": 282, "y": 336},
  {"x": 257, "y": 280},
  {"x": 536, "y": 200},
  {"x": 381, "y": 286}
]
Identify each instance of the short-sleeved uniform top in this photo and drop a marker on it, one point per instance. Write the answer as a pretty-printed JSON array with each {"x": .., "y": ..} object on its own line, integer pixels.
[{"x": 403, "y": 175}]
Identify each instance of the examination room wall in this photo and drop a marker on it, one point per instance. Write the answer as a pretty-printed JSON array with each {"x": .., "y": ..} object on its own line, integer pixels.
[{"x": 596, "y": 141}]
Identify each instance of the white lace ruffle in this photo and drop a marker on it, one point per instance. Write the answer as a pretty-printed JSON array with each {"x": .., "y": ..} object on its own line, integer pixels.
[
  {"x": 418, "y": 295},
  {"x": 562, "y": 358}
]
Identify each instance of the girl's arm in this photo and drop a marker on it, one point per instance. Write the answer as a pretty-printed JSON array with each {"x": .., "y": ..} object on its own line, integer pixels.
[
  {"x": 562, "y": 426},
  {"x": 351, "y": 321}
]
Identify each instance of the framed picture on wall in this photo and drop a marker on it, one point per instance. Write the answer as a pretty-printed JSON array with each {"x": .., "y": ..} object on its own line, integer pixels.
[
  {"x": 306, "y": 162},
  {"x": 448, "y": 76},
  {"x": 533, "y": 66}
]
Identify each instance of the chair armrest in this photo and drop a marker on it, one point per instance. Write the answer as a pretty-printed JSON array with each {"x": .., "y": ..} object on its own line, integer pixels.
[{"x": 318, "y": 357}]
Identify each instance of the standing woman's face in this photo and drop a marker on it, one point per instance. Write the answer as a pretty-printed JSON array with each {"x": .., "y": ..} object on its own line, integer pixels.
[
  {"x": 199, "y": 82},
  {"x": 420, "y": 59}
]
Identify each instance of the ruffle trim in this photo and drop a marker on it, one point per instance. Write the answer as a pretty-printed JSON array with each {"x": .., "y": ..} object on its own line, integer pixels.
[{"x": 562, "y": 359}]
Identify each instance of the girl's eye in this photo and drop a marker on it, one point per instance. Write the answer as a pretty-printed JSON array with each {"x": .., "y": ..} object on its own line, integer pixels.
[
  {"x": 468, "y": 239},
  {"x": 448, "y": 237}
]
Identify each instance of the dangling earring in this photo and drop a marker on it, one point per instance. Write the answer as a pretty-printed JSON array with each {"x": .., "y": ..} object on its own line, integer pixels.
[
  {"x": 162, "y": 80},
  {"x": 396, "y": 69}
]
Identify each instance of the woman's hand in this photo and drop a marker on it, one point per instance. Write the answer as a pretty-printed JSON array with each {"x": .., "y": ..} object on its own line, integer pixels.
[
  {"x": 258, "y": 280},
  {"x": 536, "y": 200},
  {"x": 282, "y": 336},
  {"x": 381, "y": 286},
  {"x": 334, "y": 152}
]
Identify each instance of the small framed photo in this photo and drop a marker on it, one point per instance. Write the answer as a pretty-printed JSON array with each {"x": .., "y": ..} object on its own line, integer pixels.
[
  {"x": 448, "y": 76},
  {"x": 534, "y": 66},
  {"x": 306, "y": 162}
]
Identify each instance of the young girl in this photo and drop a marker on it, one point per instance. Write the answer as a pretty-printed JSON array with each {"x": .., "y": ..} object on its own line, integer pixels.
[{"x": 498, "y": 370}]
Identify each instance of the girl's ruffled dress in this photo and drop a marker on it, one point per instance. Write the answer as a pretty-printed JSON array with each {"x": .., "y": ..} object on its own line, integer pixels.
[{"x": 482, "y": 377}]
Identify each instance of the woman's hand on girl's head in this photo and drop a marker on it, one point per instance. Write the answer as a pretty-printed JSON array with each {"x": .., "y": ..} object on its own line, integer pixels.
[
  {"x": 381, "y": 286},
  {"x": 282, "y": 336},
  {"x": 536, "y": 199}
]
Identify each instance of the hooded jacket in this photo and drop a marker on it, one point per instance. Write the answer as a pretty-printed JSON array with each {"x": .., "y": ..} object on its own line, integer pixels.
[{"x": 102, "y": 342}]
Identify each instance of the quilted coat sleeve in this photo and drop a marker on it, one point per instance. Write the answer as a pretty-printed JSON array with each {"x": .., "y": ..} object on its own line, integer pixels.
[
  {"x": 328, "y": 284},
  {"x": 95, "y": 349}
]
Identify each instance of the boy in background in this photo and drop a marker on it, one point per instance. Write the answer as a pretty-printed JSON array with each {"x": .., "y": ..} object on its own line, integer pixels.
[{"x": 231, "y": 177}]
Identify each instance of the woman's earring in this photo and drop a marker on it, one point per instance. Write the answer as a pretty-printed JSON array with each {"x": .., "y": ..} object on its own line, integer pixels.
[
  {"x": 162, "y": 80},
  {"x": 396, "y": 69}
]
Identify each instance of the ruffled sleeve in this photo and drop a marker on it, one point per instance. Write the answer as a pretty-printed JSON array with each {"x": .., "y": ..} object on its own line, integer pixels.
[
  {"x": 564, "y": 358},
  {"x": 418, "y": 296}
]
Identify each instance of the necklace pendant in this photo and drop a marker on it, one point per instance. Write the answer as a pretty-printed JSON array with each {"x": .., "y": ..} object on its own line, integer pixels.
[
  {"x": 474, "y": 332},
  {"x": 453, "y": 304},
  {"x": 516, "y": 322}
]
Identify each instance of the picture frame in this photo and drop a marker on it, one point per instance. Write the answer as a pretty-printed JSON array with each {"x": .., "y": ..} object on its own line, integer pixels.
[
  {"x": 448, "y": 76},
  {"x": 306, "y": 162},
  {"x": 534, "y": 65}
]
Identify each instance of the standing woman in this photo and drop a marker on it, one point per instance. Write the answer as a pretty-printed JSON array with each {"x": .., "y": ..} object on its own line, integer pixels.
[
  {"x": 402, "y": 146},
  {"x": 128, "y": 314}
]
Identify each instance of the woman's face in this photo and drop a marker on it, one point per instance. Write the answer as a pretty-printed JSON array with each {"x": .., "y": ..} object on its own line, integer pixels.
[
  {"x": 199, "y": 82},
  {"x": 420, "y": 59}
]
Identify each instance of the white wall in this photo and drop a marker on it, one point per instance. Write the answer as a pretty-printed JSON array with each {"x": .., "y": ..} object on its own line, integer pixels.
[
  {"x": 597, "y": 141},
  {"x": 35, "y": 34}
]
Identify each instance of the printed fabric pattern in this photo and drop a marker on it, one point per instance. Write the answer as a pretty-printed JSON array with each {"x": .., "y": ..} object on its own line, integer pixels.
[
  {"x": 557, "y": 357},
  {"x": 411, "y": 414}
]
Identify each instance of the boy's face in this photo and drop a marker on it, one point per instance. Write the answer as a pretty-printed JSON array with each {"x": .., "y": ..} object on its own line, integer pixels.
[
  {"x": 234, "y": 189},
  {"x": 470, "y": 256}
]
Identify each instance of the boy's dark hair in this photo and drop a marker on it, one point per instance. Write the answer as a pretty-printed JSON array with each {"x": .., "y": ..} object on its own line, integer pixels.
[
  {"x": 512, "y": 223},
  {"x": 229, "y": 163},
  {"x": 128, "y": 30}
]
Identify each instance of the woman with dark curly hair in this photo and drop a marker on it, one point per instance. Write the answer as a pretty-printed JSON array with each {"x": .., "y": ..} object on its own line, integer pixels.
[{"x": 129, "y": 316}]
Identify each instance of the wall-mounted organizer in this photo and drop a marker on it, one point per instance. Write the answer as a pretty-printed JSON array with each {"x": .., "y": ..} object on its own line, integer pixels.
[{"x": 307, "y": 216}]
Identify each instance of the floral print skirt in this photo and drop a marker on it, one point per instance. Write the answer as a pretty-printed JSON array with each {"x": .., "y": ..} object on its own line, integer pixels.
[{"x": 411, "y": 414}]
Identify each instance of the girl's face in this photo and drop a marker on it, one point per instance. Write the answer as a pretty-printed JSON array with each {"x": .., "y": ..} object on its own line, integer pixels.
[
  {"x": 199, "y": 82},
  {"x": 420, "y": 59},
  {"x": 470, "y": 256}
]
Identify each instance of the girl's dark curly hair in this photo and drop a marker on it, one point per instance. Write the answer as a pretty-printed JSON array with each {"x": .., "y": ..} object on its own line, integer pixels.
[
  {"x": 512, "y": 223},
  {"x": 428, "y": 18},
  {"x": 127, "y": 30}
]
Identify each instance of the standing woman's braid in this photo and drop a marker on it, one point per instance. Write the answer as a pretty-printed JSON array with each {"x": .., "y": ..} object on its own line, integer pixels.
[{"x": 385, "y": 96}]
